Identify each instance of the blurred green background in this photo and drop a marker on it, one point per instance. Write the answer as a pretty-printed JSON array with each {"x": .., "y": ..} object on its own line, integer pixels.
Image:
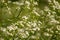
[{"x": 29, "y": 19}]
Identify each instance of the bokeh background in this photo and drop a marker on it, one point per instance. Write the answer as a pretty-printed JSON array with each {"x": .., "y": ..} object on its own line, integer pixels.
[{"x": 29, "y": 19}]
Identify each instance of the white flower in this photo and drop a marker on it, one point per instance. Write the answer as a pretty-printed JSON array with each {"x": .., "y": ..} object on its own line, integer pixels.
[
  {"x": 25, "y": 17},
  {"x": 27, "y": 2},
  {"x": 54, "y": 21},
  {"x": 3, "y": 29},
  {"x": 47, "y": 34},
  {"x": 27, "y": 33},
  {"x": 58, "y": 27},
  {"x": 35, "y": 3},
  {"x": 12, "y": 27}
]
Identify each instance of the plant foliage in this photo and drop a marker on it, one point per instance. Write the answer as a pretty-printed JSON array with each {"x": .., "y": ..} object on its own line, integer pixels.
[{"x": 29, "y": 20}]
